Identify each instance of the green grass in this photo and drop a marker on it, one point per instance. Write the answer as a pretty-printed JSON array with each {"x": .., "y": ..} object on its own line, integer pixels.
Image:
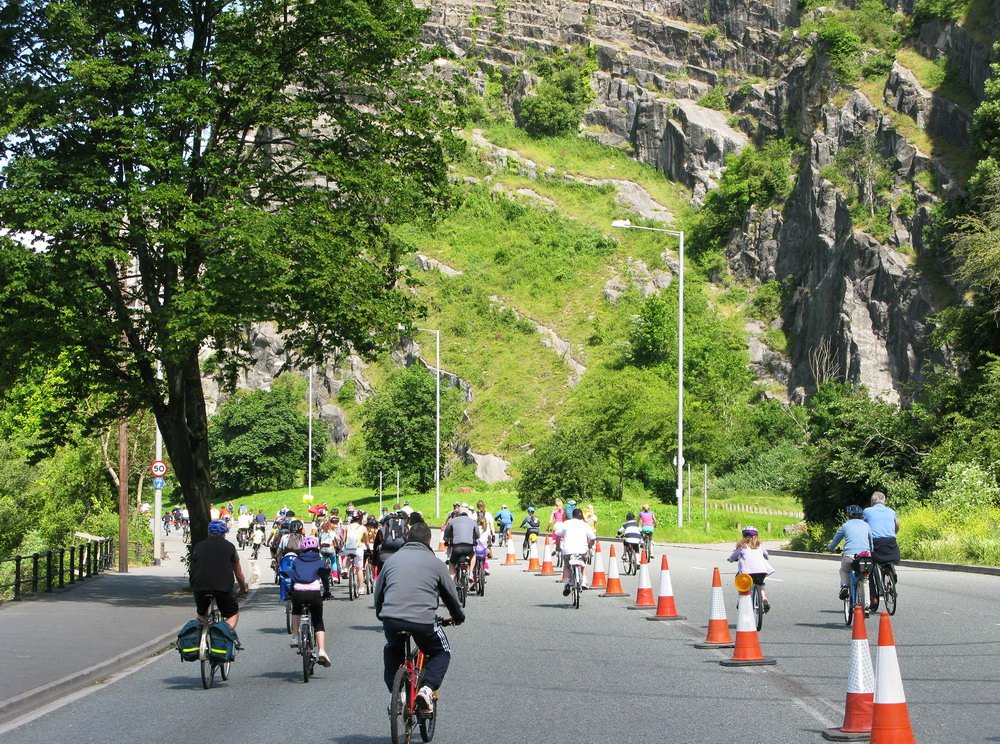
[{"x": 935, "y": 76}]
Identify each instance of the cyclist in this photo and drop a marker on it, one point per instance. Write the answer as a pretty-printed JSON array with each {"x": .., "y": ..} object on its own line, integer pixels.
[
  {"x": 371, "y": 536},
  {"x": 647, "y": 520},
  {"x": 590, "y": 516},
  {"x": 885, "y": 551},
  {"x": 573, "y": 537},
  {"x": 261, "y": 520},
  {"x": 406, "y": 600},
  {"x": 482, "y": 514},
  {"x": 460, "y": 535},
  {"x": 243, "y": 522},
  {"x": 504, "y": 520},
  {"x": 406, "y": 508},
  {"x": 391, "y": 535},
  {"x": 630, "y": 534},
  {"x": 215, "y": 566},
  {"x": 752, "y": 560},
  {"x": 308, "y": 574},
  {"x": 557, "y": 516},
  {"x": 290, "y": 542},
  {"x": 532, "y": 525},
  {"x": 857, "y": 537},
  {"x": 257, "y": 540},
  {"x": 354, "y": 549}
]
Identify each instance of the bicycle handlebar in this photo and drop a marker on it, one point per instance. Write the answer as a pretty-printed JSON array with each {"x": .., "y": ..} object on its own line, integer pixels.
[{"x": 444, "y": 622}]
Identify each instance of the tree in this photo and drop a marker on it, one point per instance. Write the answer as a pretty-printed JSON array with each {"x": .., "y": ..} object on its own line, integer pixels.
[
  {"x": 257, "y": 442},
  {"x": 398, "y": 428},
  {"x": 178, "y": 171},
  {"x": 564, "y": 466}
]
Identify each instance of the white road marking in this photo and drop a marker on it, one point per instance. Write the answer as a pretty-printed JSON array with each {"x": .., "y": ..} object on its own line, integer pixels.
[{"x": 799, "y": 702}]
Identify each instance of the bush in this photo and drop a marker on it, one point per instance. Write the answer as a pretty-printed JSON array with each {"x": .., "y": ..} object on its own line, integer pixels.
[
  {"x": 715, "y": 99},
  {"x": 562, "y": 93},
  {"x": 946, "y": 10},
  {"x": 565, "y": 466}
]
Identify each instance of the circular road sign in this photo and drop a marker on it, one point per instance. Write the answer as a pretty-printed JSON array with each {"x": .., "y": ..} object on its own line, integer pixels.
[{"x": 158, "y": 468}]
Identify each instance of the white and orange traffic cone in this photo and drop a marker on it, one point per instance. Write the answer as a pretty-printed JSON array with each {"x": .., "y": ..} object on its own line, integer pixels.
[
  {"x": 890, "y": 715},
  {"x": 718, "y": 624},
  {"x": 644, "y": 594},
  {"x": 533, "y": 562},
  {"x": 547, "y": 568},
  {"x": 614, "y": 580},
  {"x": 511, "y": 554},
  {"x": 665, "y": 607},
  {"x": 860, "y": 687},
  {"x": 600, "y": 579},
  {"x": 747, "y": 651}
]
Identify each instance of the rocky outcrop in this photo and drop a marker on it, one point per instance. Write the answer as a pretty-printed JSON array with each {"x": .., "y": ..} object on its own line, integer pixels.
[
  {"x": 550, "y": 340},
  {"x": 432, "y": 264},
  {"x": 939, "y": 117},
  {"x": 640, "y": 277},
  {"x": 408, "y": 353},
  {"x": 972, "y": 57}
]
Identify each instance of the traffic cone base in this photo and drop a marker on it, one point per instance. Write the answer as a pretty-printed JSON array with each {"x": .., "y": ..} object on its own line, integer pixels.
[
  {"x": 841, "y": 735},
  {"x": 731, "y": 644},
  {"x": 748, "y": 662}
]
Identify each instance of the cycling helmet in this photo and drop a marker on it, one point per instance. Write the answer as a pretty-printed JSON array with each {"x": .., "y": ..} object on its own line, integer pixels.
[
  {"x": 854, "y": 511},
  {"x": 630, "y": 516},
  {"x": 371, "y": 522},
  {"x": 217, "y": 527},
  {"x": 295, "y": 527},
  {"x": 309, "y": 543},
  {"x": 531, "y": 510},
  {"x": 750, "y": 531},
  {"x": 503, "y": 506},
  {"x": 289, "y": 514},
  {"x": 402, "y": 513}
]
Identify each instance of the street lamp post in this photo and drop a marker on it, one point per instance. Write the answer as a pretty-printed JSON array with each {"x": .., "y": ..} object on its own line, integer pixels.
[
  {"x": 437, "y": 417},
  {"x": 309, "y": 466},
  {"x": 626, "y": 225}
]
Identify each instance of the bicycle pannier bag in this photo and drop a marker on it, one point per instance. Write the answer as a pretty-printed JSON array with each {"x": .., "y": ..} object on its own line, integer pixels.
[
  {"x": 188, "y": 640},
  {"x": 222, "y": 642}
]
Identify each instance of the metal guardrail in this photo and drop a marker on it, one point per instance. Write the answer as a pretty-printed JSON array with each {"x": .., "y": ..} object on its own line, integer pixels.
[{"x": 58, "y": 568}]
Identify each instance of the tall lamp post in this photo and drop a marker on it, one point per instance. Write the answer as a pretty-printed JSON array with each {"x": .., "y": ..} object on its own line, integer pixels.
[
  {"x": 437, "y": 416},
  {"x": 626, "y": 225}
]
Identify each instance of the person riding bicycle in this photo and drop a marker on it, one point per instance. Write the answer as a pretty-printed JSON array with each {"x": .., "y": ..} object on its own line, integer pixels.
[
  {"x": 630, "y": 534},
  {"x": 557, "y": 517},
  {"x": 371, "y": 539},
  {"x": 483, "y": 515},
  {"x": 256, "y": 541},
  {"x": 309, "y": 574},
  {"x": 291, "y": 541},
  {"x": 532, "y": 525},
  {"x": 647, "y": 520},
  {"x": 573, "y": 537},
  {"x": 857, "y": 537},
  {"x": 504, "y": 520},
  {"x": 243, "y": 522},
  {"x": 885, "y": 550},
  {"x": 752, "y": 560},
  {"x": 391, "y": 535},
  {"x": 215, "y": 567},
  {"x": 353, "y": 552},
  {"x": 406, "y": 600},
  {"x": 460, "y": 535}
]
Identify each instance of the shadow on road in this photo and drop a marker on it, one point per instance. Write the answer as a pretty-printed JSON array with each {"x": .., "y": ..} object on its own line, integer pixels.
[
  {"x": 186, "y": 683},
  {"x": 834, "y": 626},
  {"x": 372, "y": 628},
  {"x": 129, "y": 590}
]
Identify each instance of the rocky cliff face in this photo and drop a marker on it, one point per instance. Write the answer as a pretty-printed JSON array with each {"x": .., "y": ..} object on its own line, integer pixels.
[{"x": 856, "y": 307}]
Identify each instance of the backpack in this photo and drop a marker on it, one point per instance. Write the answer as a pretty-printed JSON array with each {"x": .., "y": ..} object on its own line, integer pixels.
[
  {"x": 395, "y": 532},
  {"x": 293, "y": 542},
  {"x": 222, "y": 642},
  {"x": 533, "y": 522},
  {"x": 188, "y": 640}
]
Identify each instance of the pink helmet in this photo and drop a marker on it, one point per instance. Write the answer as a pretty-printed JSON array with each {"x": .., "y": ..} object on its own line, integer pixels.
[{"x": 309, "y": 543}]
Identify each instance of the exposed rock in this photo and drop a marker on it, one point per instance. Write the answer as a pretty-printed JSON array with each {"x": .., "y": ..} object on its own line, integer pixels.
[
  {"x": 432, "y": 264},
  {"x": 409, "y": 354},
  {"x": 634, "y": 197},
  {"x": 640, "y": 277},
  {"x": 939, "y": 38},
  {"x": 490, "y": 468},
  {"x": 937, "y": 116}
]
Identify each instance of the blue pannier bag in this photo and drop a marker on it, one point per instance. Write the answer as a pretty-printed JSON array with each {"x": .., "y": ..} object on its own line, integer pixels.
[
  {"x": 284, "y": 570},
  {"x": 222, "y": 642},
  {"x": 188, "y": 641}
]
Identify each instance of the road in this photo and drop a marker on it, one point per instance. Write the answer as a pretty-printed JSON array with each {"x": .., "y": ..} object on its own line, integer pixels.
[{"x": 527, "y": 666}]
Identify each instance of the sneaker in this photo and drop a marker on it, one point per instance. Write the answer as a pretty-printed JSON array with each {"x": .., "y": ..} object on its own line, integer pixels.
[
  {"x": 293, "y": 641},
  {"x": 844, "y": 592},
  {"x": 324, "y": 659},
  {"x": 425, "y": 698},
  {"x": 566, "y": 590},
  {"x": 767, "y": 607},
  {"x": 873, "y": 607}
]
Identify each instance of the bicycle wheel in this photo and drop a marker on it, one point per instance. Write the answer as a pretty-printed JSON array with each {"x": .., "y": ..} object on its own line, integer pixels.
[
  {"x": 305, "y": 647},
  {"x": 758, "y": 606},
  {"x": 399, "y": 713},
  {"x": 288, "y": 616},
  {"x": 889, "y": 589},
  {"x": 428, "y": 722},
  {"x": 559, "y": 559},
  {"x": 525, "y": 549},
  {"x": 207, "y": 672},
  {"x": 849, "y": 604},
  {"x": 576, "y": 587},
  {"x": 351, "y": 583},
  {"x": 369, "y": 578},
  {"x": 463, "y": 584}
]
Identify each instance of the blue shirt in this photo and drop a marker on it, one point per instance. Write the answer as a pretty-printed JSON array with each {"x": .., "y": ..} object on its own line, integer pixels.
[
  {"x": 505, "y": 517},
  {"x": 882, "y": 520},
  {"x": 857, "y": 536}
]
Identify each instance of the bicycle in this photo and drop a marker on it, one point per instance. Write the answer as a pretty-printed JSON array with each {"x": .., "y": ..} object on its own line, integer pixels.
[
  {"x": 241, "y": 539},
  {"x": 307, "y": 649},
  {"x": 885, "y": 584},
  {"x": 404, "y": 716},
  {"x": 186, "y": 532},
  {"x": 576, "y": 564},
  {"x": 479, "y": 578},
  {"x": 647, "y": 545},
  {"x": 369, "y": 575},
  {"x": 559, "y": 558},
  {"x": 530, "y": 538},
  {"x": 630, "y": 559},
  {"x": 462, "y": 579},
  {"x": 210, "y": 666},
  {"x": 861, "y": 567},
  {"x": 352, "y": 580},
  {"x": 503, "y": 537}
]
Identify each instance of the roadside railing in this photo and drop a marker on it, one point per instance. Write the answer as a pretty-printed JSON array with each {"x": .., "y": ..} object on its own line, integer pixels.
[{"x": 25, "y": 575}]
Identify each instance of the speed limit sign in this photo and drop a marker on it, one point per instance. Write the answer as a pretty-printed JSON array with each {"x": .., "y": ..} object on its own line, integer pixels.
[{"x": 158, "y": 468}]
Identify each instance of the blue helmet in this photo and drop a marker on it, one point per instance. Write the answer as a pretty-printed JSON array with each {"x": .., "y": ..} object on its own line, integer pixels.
[
  {"x": 217, "y": 527},
  {"x": 855, "y": 512}
]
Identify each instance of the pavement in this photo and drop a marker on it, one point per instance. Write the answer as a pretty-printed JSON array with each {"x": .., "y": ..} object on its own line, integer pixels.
[{"x": 528, "y": 666}]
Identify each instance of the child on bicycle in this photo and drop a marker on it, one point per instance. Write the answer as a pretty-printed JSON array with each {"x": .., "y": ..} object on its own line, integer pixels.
[
  {"x": 857, "y": 537},
  {"x": 752, "y": 560},
  {"x": 630, "y": 534}
]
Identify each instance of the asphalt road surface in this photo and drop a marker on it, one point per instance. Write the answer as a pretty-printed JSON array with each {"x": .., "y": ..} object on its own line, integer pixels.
[{"x": 528, "y": 667}]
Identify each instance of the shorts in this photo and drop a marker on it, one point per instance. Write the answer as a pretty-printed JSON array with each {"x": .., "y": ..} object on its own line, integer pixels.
[
  {"x": 226, "y": 602},
  {"x": 354, "y": 558},
  {"x": 314, "y": 600},
  {"x": 646, "y": 530},
  {"x": 458, "y": 552},
  {"x": 758, "y": 578}
]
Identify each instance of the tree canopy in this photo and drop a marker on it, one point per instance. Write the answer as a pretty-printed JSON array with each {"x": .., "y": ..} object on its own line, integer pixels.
[{"x": 178, "y": 171}]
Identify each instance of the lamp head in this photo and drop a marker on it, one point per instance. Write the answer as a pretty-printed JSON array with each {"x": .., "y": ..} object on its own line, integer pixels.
[{"x": 622, "y": 223}]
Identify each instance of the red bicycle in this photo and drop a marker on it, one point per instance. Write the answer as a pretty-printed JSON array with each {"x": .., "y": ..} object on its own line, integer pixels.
[{"x": 404, "y": 715}]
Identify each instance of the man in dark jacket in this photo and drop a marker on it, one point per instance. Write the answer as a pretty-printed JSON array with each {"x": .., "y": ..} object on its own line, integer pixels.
[
  {"x": 406, "y": 600},
  {"x": 215, "y": 568}
]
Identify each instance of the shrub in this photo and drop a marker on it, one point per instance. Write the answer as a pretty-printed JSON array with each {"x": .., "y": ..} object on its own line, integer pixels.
[
  {"x": 947, "y": 10},
  {"x": 715, "y": 99},
  {"x": 562, "y": 93}
]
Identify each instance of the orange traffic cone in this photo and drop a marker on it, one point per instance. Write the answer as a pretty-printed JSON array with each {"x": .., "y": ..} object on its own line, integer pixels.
[
  {"x": 860, "y": 687},
  {"x": 644, "y": 594},
  {"x": 547, "y": 567},
  {"x": 718, "y": 625},
  {"x": 614, "y": 580},
  {"x": 747, "y": 651},
  {"x": 511, "y": 554},
  {"x": 533, "y": 563},
  {"x": 599, "y": 579},
  {"x": 890, "y": 716},
  {"x": 665, "y": 608},
  {"x": 441, "y": 546}
]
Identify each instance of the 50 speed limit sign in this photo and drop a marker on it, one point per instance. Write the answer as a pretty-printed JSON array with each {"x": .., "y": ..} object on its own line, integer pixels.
[{"x": 158, "y": 468}]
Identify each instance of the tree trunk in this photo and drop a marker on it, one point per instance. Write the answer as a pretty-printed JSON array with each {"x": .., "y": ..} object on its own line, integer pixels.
[{"x": 184, "y": 425}]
